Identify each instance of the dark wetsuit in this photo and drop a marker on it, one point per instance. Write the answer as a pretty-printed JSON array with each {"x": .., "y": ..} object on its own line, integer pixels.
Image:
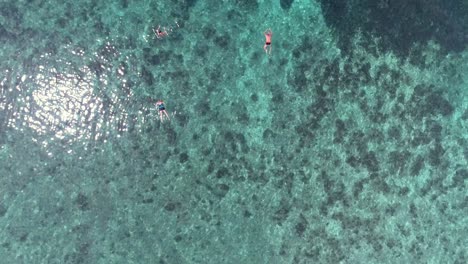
[{"x": 161, "y": 107}]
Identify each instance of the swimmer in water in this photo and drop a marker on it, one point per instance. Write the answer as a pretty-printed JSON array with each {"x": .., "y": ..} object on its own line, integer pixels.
[
  {"x": 159, "y": 33},
  {"x": 268, "y": 34},
  {"x": 162, "y": 111}
]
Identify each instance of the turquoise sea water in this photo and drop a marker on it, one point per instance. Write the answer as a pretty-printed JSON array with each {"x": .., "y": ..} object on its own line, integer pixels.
[{"x": 347, "y": 144}]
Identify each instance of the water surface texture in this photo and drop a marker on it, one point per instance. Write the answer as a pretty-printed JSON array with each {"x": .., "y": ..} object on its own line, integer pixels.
[{"x": 348, "y": 144}]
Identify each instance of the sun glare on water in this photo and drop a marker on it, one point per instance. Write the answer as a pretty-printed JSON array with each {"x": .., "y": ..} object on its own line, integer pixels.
[
  {"x": 74, "y": 96},
  {"x": 62, "y": 102}
]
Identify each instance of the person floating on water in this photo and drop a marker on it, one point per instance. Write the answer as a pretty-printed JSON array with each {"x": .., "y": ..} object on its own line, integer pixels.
[
  {"x": 268, "y": 33},
  {"x": 163, "y": 33},
  {"x": 162, "y": 110},
  {"x": 159, "y": 33}
]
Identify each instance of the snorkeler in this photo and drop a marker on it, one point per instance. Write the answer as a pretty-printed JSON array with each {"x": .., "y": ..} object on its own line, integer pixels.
[
  {"x": 163, "y": 33},
  {"x": 159, "y": 33},
  {"x": 268, "y": 33},
  {"x": 162, "y": 110}
]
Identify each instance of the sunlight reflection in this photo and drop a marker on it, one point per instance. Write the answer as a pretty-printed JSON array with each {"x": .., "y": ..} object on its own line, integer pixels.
[
  {"x": 77, "y": 96},
  {"x": 62, "y": 101}
]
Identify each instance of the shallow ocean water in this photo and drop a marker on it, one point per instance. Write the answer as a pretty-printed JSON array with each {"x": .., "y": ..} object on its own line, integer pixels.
[{"x": 347, "y": 144}]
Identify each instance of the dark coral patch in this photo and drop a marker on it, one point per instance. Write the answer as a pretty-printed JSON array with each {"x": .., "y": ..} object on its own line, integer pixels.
[
  {"x": 369, "y": 160},
  {"x": 147, "y": 76},
  {"x": 403, "y": 191},
  {"x": 420, "y": 139},
  {"x": 340, "y": 131},
  {"x": 190, "y": 3},
  {"x": 282, "y": 213},
  {"x": 222, "y": 41},
  {"x": 268, "y": 134},
  {"x": 3, "y": 210},
  {"x": 183, "y": 157},
  {"x": 208, "y": 32},
  {"x": 358, "y": 187},
  {"x": 399, "y": 24},
  {"x": 427, "y": 102},
  {"x": 435, "y": 154},
  {"x": 301, "y": 225},
  {"x": 221, "y": 190},
  {"x": 286, "y": 4},
  {"x": 352, "y": 161},
  {"x": 172, "y": 206},
  {"x": 398, "y": 160},
  {"x": 222, "y": 172},
  {"x": 297, "y": 79},
  {"x": 247, "y": 5},
  {"x": 82, "y": 202},
  {"x": 434, "y": 130},
  {"x": 460, "y": 177},
  {"x": 417, "y": 166},
  {"x": 437, "y": 104}
]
